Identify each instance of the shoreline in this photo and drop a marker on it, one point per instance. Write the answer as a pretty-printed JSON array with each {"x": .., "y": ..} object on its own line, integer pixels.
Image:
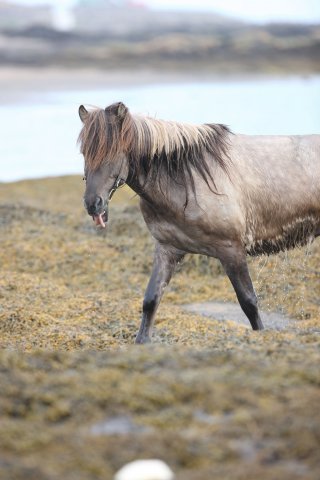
[{"x": 17, "y": 83}]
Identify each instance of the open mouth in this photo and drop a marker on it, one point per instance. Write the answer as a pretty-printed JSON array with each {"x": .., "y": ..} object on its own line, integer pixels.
[{"x": 101, "y": 219}]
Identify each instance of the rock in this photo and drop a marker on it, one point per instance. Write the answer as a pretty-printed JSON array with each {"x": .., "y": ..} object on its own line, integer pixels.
[{"x": 145, "y": 470}]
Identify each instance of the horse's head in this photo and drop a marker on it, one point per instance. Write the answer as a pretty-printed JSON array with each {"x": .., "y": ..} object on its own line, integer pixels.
[{"x": 104, "y": 150}]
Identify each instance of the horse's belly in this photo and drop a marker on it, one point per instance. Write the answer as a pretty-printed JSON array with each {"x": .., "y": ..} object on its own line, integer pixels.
[
  {"x": 298, "y": 232},
  {"x": 197, "y": 237}
]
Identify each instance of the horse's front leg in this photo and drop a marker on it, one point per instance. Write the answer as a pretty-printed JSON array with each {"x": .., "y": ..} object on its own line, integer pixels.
[{"x": 164, "y": 263}]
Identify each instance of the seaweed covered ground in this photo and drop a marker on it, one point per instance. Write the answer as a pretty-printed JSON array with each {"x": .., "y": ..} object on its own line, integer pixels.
[{"x": 78, "y": 399}]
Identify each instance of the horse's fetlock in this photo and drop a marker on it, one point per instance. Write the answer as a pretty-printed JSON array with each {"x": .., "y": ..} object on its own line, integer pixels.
[{"x": 252, "y": 299}]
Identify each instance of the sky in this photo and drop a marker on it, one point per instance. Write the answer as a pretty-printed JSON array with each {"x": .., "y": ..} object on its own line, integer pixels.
[
  {"x": 258, "y": 10},
  {"x": 252, "y": 10}
]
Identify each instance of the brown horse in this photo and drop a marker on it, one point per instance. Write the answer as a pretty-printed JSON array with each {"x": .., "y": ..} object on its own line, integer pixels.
[{"x": 203, "y": 190}]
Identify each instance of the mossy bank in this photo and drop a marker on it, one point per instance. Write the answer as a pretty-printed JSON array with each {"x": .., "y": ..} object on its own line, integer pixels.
[{"x": 212, "y": 399}]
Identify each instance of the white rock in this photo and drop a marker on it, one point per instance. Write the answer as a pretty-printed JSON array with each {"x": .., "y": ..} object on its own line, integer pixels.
[{"x": 145, "y": 470}]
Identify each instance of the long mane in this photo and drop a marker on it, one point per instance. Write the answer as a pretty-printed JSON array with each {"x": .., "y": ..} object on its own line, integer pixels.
[{"x": 154, "y": 146}]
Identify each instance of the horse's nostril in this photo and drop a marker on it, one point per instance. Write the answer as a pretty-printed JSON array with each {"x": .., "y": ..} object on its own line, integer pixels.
[
  {"x": 94, "y": 205},
  {"x": 99, "y": 202}
]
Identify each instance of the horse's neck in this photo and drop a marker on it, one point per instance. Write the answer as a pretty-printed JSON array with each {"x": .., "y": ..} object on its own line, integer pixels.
[
  {"x": 137, "y": 184},
  {"x": 146, "y": 191},
  {"x": 161, "y": 197}
]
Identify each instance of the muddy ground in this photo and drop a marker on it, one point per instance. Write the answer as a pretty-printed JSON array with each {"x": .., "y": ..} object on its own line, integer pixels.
[{"x": 78, "y": 400}]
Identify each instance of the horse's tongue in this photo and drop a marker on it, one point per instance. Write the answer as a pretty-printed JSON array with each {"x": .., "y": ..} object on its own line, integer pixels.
[{"x": 99, "y": 220}]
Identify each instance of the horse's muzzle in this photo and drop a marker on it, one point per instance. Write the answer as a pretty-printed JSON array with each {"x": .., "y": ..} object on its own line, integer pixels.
[
  {"x": 94, "y": 206},
  {"x": 97, "y": 209}
]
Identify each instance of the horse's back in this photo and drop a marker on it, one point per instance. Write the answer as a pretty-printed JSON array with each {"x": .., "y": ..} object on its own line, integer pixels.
[{"x": 276, "y": 164}]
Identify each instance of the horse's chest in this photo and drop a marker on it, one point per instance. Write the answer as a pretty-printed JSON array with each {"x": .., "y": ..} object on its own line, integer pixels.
[{"x": 185, "y": 235}]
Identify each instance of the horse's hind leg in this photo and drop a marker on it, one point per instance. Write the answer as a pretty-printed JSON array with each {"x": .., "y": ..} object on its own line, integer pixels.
[
  {"x": 164, "y": 263},
  {"x": 236, "y": 268}
]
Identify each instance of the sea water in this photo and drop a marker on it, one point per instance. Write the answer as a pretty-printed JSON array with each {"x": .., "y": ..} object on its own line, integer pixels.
[{"x": 38, "y": 135}]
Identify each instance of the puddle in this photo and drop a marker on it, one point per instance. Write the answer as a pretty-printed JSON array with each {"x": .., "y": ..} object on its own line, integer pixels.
[
  {"x": 232, "y": 311},
  {"x": 121, "y": 425}
]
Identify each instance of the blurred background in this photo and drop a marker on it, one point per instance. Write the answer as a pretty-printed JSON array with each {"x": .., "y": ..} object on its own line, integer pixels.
[{"x": 252, "y": 65}]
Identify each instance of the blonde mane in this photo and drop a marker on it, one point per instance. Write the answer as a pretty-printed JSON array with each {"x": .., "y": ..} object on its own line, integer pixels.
[{"x": 152, "y": 145}]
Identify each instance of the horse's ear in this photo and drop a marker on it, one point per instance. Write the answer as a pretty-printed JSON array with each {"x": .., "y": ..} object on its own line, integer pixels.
[
  {"x": 83, "y": 113},
  {"x": 122, "y": 110},
  {"x": 119, "y": 109}
]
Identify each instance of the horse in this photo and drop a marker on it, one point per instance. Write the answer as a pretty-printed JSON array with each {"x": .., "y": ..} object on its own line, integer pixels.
[{"x": 204, "y": 190}]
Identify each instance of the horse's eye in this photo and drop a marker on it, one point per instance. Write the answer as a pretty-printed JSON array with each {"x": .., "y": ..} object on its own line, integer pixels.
[{"x": 84, "y": 178}]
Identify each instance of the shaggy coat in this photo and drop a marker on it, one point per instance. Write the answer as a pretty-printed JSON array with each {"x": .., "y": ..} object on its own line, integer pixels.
[{"x": 204, "y": 190}]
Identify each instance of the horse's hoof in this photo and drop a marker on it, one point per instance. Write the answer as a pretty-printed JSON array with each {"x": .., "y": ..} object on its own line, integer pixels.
[{"x": 142, "y": 340}]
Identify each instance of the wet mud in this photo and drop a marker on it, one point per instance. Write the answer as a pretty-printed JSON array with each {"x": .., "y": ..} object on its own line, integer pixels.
[{"x": 211, "y": 398}]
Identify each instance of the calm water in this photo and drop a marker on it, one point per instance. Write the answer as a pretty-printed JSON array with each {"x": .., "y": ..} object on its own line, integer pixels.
[{"x": 38, "y": 137}]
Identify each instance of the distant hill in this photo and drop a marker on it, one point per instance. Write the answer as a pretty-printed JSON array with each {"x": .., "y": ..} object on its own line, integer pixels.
[
  {"x": 121, "y": 18},
  {"x": 20, "y": 16},
  {"x": 117, "y": 37}
]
